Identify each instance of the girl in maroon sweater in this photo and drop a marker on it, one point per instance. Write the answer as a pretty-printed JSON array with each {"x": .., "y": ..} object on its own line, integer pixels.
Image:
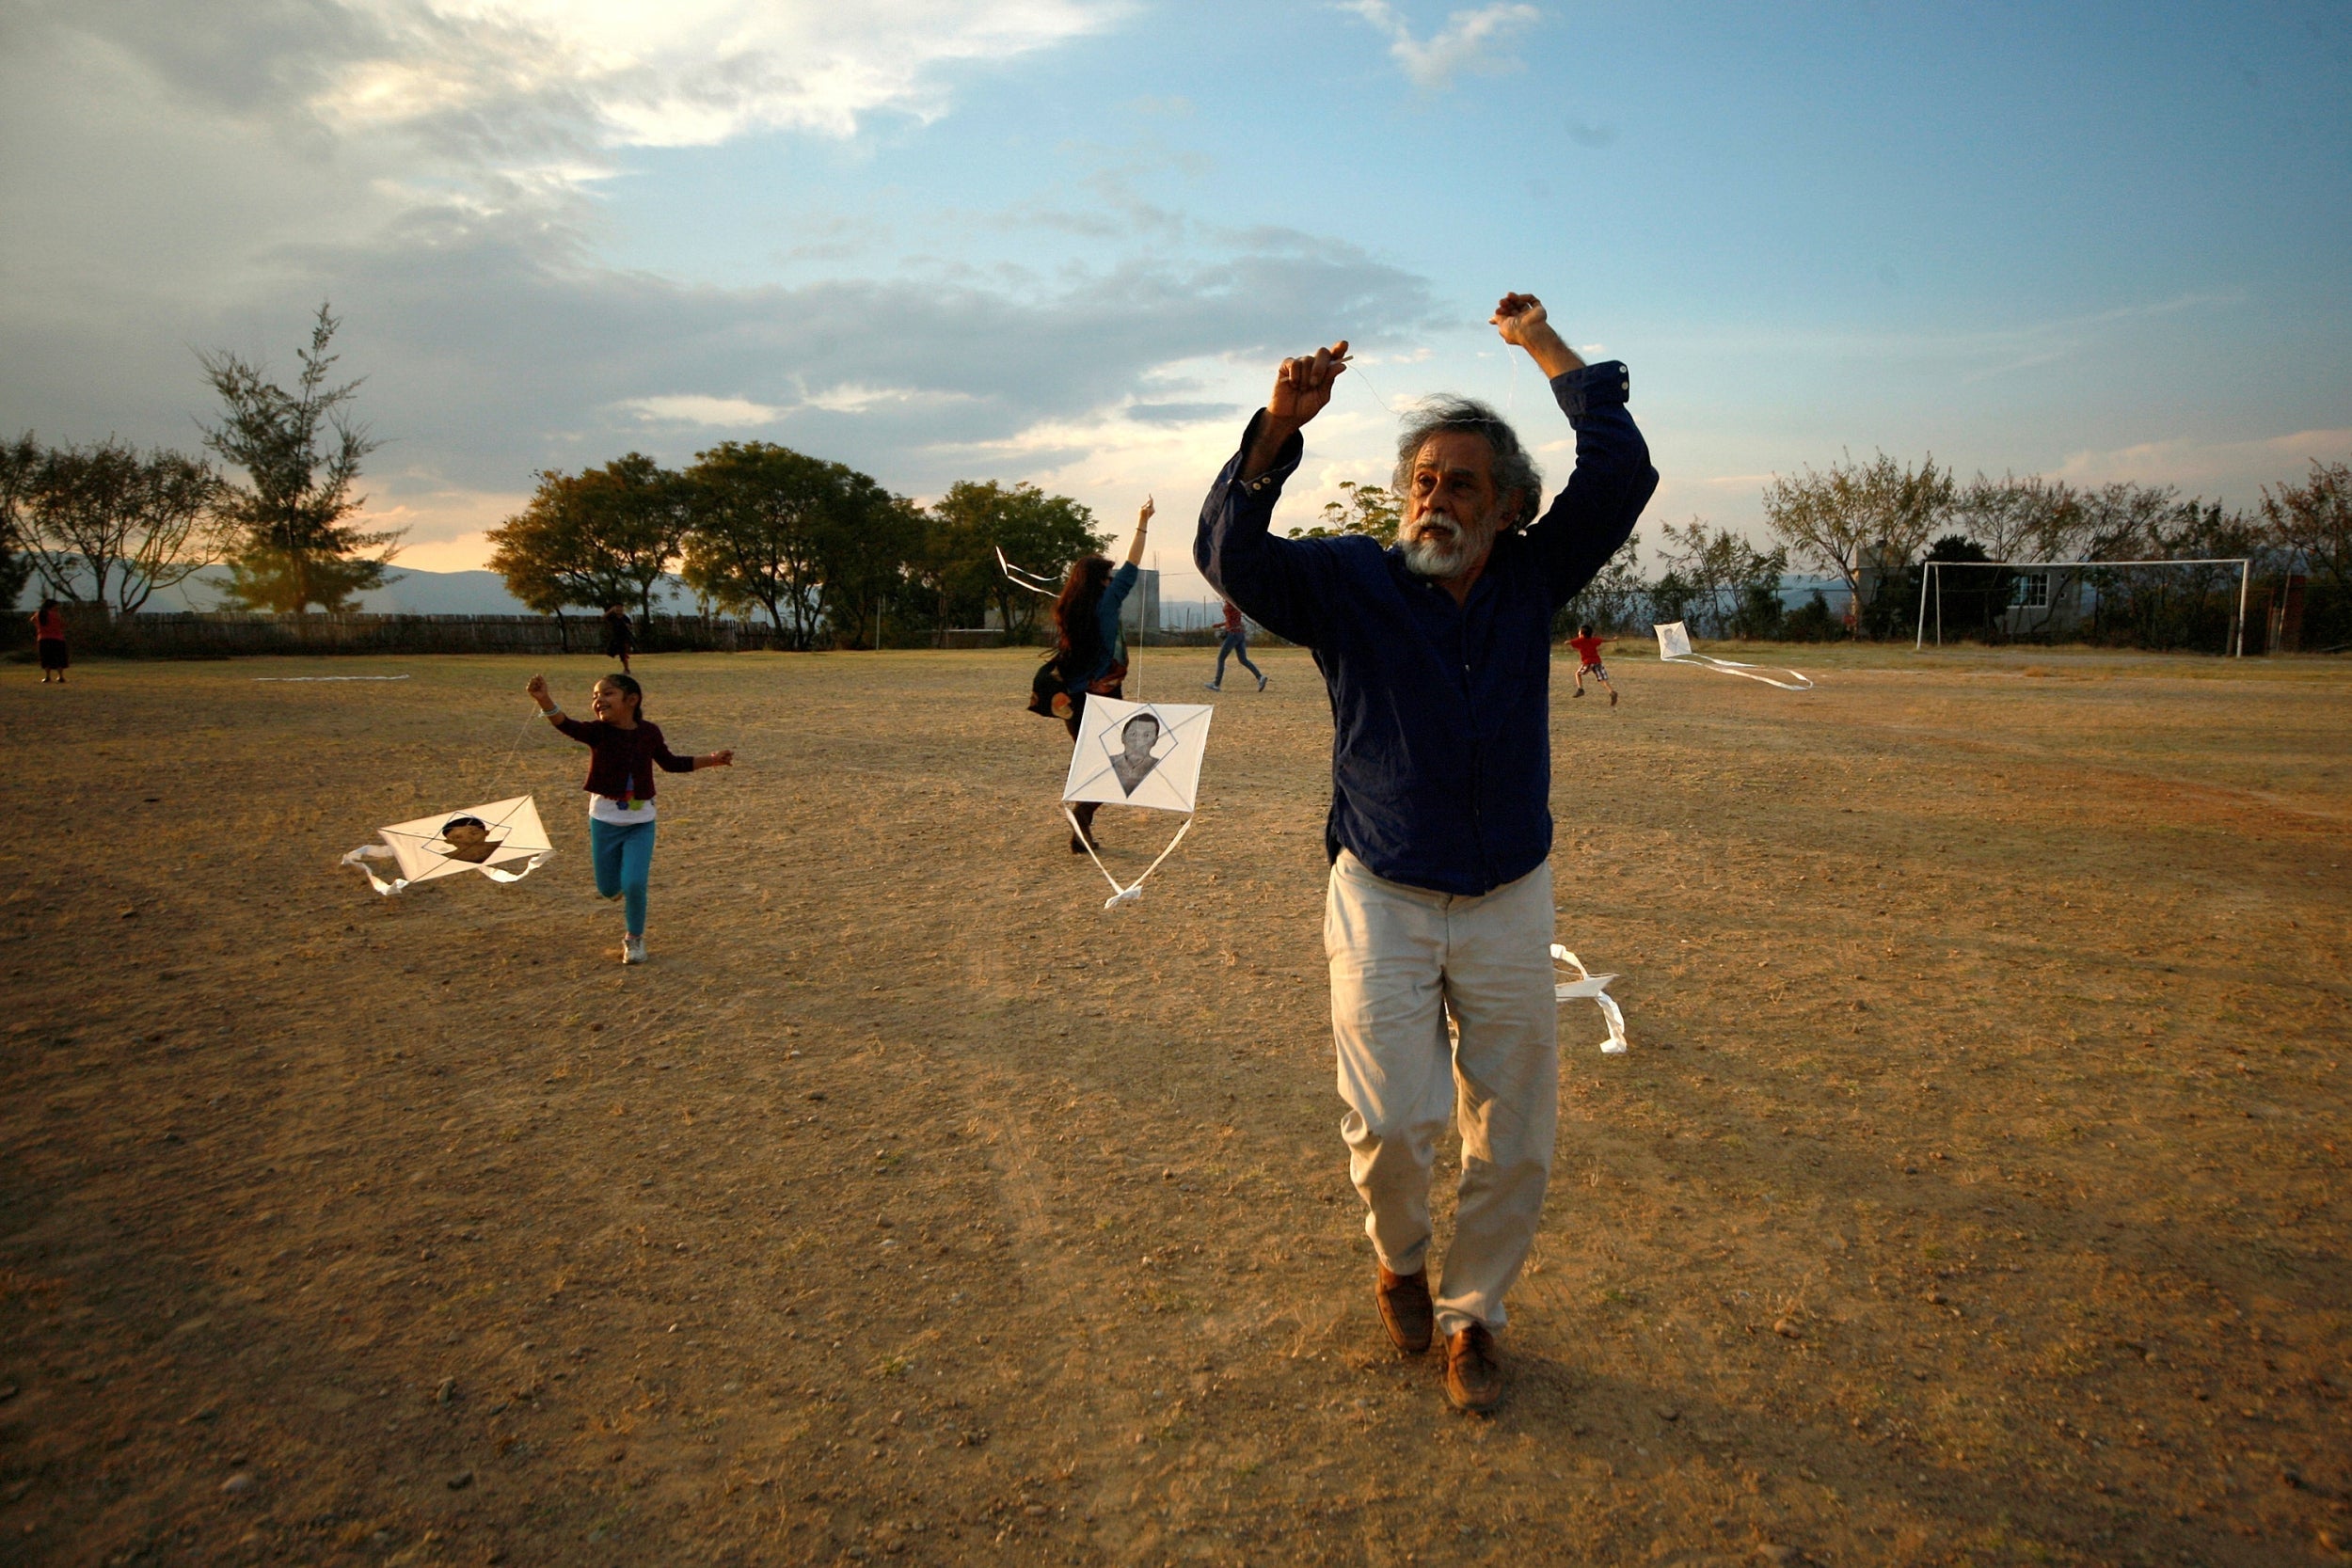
[{"x": 623, "y": 750}]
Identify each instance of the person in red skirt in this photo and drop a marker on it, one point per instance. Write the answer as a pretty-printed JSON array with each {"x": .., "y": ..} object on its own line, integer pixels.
[{"x": 49, "y": 635}]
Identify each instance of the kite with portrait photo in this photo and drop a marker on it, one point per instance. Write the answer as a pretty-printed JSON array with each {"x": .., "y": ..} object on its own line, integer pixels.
[
  {"x": 1143, "y": 754},
  {"x": 1673, "y": 647},
  {"x": 503, "y": 840}
]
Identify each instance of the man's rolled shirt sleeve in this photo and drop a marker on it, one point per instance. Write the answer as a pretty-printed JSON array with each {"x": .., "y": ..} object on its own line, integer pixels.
[
  {"x": 1594, "y": 514},
  {"x": 1282, "y": 584}
]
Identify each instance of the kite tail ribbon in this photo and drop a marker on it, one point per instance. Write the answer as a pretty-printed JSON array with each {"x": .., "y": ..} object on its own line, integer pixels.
[
  {"x": 1133, "y": 892},
  {"x": 1021, "y": 577},
  {"x": 1588, "y": 984},
  {"x": 500, "y": 873},
  {"x": 367, "y": 852},
  {"x": 1753, "y": 672}
]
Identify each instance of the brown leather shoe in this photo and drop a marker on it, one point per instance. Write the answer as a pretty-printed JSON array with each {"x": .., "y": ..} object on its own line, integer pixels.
[
  {"x": 1474, "y": 1373},
  {"x": 1404, "y": 1308}
]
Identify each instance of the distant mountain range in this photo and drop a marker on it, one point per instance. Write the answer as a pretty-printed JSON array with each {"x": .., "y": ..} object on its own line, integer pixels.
[{"x": 411, "y": 592}]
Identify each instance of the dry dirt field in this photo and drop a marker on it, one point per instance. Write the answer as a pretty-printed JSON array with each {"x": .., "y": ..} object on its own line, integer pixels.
[{"x": 1974, "y": 1190}]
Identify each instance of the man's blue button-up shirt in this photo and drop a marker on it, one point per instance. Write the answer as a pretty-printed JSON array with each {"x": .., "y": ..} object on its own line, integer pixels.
[{"x": 1441, "y": 750}]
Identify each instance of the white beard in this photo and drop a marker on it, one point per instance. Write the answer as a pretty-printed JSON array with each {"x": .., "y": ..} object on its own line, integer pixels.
[{"x": 1441, "y": 556}]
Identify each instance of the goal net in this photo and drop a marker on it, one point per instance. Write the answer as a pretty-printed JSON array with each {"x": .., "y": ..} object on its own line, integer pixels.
[{"x": 2033, "y": 599}]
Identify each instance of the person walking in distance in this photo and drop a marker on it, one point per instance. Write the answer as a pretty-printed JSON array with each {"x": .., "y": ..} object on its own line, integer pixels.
[
  {"x": 49, "y": 639},
  {"x": 620, "y": 638},
  {"x": 1437, "y": 653},
  {"x": 1587, "y": 648},
  {"x": 1236, "y": 643}
]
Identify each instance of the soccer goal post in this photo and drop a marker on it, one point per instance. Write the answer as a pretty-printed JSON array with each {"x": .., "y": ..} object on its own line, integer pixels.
[{"x": 1931, "y": 583}]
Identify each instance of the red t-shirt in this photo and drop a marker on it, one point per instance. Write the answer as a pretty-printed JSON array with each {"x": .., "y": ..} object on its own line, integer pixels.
[
  {"x": 1232, "y": 619},
  {"x": 48, "y": 626},
  {"x": 1588, "y": 649}
]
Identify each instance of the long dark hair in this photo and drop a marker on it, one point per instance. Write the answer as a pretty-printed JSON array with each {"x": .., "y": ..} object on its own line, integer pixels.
[
  {"x": 1077, "y": 631},
  {"x": 629, "y": 684}
]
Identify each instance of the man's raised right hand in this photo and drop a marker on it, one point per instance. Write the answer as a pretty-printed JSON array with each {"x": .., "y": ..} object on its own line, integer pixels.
[
  {"x": 1303, "y": 384},
  {"x": 1301, "y": 388}
]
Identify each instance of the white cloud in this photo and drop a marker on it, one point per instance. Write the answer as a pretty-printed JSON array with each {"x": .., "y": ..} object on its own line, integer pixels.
[
  {"x": 2238, "y": 469},
  {"x": 422, "y": 164},
  {"x": 688, "y": 72},
  {"x": 690, "y": 409},
  {"x": 850, "y": 397},
  {"x": 511, "y": 104},
  {"x": 1472, "y": 42}
]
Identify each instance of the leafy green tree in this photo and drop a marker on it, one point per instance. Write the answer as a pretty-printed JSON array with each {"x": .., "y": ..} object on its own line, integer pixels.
[
  {"x": 17, "y": 460},
  {"x": 1611, "y": 601},
  {"x": 1813, "y": 622},
  {"x": 104, "y": 525},
  {"x": 1038, "y": 532},
  {"x": 867, "y": 556},
  {"x": 1671, "y": 597},
  {"x": 810, "y": 542},
  {"x": 296, "y": 544},
  {"x": 2315, "y": 521},
  {"x": 953, "y": 577},
  {"x": 2310, "y": 527},
  {"x": 1367, "y": 509},
  {"x": 1735, "y": 587},
  {"x": 598, "y": 537},
  {"x": 540, "y": 553},
  {"x": 2022, "y": 520},
  {"x": 1759, "y": 614},
  {"x": 2165, "y": 607},
  {"x": 1856, "y": 517},
  {"x": 1968, "y": 598}
]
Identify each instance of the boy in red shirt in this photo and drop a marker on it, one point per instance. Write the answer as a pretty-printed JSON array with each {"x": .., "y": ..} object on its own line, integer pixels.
[{"x": 1587, "y": 648}]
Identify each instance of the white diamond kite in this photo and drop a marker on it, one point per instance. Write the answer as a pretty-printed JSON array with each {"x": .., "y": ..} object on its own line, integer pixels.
[
  {"x": 1673, "y": 647},
  {"x": 503, "y": 840},
  {"x": 1144, "y": 754}
]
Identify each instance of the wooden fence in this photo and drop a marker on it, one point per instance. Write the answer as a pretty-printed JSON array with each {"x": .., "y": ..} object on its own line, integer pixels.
[
  {"x": 229, "y": 634},
  {"x": 225, "y": 634}
]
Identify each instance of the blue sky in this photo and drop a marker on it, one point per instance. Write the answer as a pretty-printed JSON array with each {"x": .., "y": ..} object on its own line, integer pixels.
[{"x": 1063, "y": 240}]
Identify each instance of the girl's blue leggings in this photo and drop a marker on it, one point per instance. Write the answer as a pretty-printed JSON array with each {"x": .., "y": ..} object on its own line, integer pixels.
[{"x": 624, "y": 856}]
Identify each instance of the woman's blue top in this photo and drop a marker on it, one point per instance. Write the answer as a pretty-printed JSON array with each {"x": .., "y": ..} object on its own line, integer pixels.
[{"x": 1112, "y": 641}]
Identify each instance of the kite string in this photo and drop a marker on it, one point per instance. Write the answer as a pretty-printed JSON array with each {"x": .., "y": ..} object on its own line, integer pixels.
[
  {"x": 1087, "y": 839},
  {"x": 1118, "y": 892},
  {"x": 1386, "y": 407},
  {"x": 1169, "y": 850},
  {"x": 502, "y": 770}
]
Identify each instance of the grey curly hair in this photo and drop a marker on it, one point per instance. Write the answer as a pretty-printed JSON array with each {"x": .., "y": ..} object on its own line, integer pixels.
[{"x": 1512, "y": 470}]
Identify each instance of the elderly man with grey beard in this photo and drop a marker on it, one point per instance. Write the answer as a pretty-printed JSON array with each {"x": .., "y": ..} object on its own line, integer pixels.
[{"x": 1438, "y": 654}]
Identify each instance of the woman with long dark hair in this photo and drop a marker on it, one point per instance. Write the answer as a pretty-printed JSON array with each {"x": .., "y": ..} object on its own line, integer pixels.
[{"x": 1089, "y": 652}]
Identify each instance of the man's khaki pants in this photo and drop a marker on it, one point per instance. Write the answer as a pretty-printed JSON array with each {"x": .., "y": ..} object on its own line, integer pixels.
[{"x": 1400, "y": 957}]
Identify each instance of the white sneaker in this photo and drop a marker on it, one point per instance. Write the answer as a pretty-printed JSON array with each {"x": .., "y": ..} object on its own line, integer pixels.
[
  {"x": 1211, "y": 686},
  {"x": 632, "y": 950}
]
